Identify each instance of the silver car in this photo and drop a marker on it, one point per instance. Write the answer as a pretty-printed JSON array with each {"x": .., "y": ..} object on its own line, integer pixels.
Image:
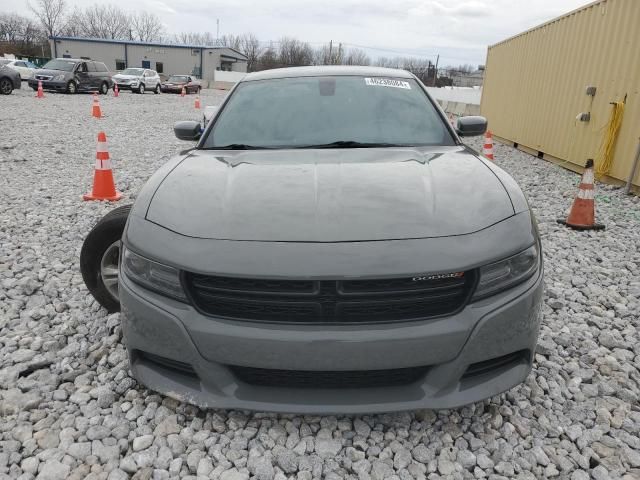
[
  {"x": 329, "y": 245},
  {"x": 138, "y": 80}
]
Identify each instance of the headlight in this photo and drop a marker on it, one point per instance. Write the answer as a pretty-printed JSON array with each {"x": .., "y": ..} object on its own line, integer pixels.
[
  {"x": 508, "y": 272},
  {"x": 58, "y": 78},
  {"x": 152, "y": 275}
]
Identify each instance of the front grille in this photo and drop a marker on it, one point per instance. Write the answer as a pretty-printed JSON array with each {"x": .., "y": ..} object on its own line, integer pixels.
[
  {"x": 43, "y": 77},
  {"x": 264, "y": 377},
  {"x": 329, "y": 301}
]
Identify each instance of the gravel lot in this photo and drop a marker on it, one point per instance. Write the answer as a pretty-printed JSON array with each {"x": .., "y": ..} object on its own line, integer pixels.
[{"x": 68, "y": 408}]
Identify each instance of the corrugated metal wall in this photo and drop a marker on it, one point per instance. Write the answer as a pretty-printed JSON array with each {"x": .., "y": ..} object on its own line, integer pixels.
[{"x": 535, "y": 84}]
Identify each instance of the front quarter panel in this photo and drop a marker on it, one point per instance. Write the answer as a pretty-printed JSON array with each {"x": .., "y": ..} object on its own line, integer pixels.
[{"x": 149, "y": 188}]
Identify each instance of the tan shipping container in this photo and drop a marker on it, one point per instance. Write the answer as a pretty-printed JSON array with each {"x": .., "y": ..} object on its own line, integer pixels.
[{"x": 536, "y": 85}]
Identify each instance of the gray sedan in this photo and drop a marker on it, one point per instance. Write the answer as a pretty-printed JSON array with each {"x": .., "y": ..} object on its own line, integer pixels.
[
  {"x": 9, "y": 80},
  {"x": 329, "y": 245}
]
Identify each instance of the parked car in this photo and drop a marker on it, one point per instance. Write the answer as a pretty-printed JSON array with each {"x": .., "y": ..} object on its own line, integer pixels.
[
  {"x": 23, "y": 67},
  {"x": 329, "y": 245},
  {"x": 175, "y": 83},
  {"x": 138, "y": 80},
  {"x": 73, "y": 75},
  {"x": 9, "y": 80}
]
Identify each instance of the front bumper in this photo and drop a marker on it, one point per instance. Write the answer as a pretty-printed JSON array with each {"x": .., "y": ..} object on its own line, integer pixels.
[
  {"x": 171, "y": 89},
  {"x": 126, "y": 86},
  {"x": 49, "y": 85},
  {"x": 494, "y": 327}
]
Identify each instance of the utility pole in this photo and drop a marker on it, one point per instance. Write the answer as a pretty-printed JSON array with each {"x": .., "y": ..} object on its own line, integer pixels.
[
  {"x": 217, "y": 31},
  {"x": 435, "y": 74}
]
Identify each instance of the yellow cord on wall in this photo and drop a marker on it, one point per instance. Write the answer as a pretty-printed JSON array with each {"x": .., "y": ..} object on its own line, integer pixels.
[{"x": 604, "y": 160}]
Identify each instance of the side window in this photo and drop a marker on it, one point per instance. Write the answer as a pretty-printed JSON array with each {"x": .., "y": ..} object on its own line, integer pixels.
[
  {"x": 91, "y": 67},
  {"x": 100, "y": 67},
  {"x": 152, "y": 73},
  {"x": 82, "y": 68}
]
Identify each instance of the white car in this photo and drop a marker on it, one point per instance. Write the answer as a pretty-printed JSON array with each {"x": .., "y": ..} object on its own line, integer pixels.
[
  {"x": 23, "y": 67},
  {"x": 138, "y": 80}
]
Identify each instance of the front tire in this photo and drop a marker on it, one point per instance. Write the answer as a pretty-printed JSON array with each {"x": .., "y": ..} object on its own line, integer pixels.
[
  {"x": 72, "y": 87},
  {"x": 99, "y": 258},
  {"x": 104, "y": 88},
  {"x": 141, "y": 89},
  {"x": 157, "y": 89},
  {"x": 6, "y": 86}
]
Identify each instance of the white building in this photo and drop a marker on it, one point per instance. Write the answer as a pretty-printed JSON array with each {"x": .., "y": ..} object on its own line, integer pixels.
[{"x": 198, "y": 60}]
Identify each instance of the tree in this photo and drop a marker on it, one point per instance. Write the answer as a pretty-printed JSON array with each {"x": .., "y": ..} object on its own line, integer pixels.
[
  {"x": 293, "y": 52},
  {"x": 105, "y": 21},
  {"x": 250, "y": 47},
  {"x": 50, "y": 13},
  {"x": 329, "y": 54},
  {"x": 355, "y": 56},
  {"x": 231, "y": 41},
  {"x": 147, "y": 26}
]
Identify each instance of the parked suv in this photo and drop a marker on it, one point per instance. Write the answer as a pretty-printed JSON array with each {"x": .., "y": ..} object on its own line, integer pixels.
[
  {"x": 73, "y": 75},
  {"x": 138, "y": 80}
]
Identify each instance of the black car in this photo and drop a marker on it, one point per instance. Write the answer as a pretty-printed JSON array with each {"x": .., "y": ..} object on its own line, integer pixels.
[
  {"x": 72, "y": 75},
  {"x": 9, "y": 79}
]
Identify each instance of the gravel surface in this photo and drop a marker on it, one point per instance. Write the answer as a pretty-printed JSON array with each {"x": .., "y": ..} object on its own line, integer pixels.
[{"x": 69, "y": 409}]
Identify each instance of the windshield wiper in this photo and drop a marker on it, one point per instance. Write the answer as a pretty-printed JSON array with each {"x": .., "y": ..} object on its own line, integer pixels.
[
  {"x": 351, "y": 144},
  {"x": 238, "y": 146}
]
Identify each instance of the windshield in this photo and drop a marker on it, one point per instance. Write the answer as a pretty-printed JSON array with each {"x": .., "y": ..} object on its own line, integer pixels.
[
  {"x": 132, "y": 71},
  {"x": 177, "y": 79},
  {"x": 57, "y": 64},
  {"x": 330, "y": 112}
]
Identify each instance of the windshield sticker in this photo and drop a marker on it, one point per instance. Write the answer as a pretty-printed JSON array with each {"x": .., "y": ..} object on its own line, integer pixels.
[{"x": 387, "y": 82}]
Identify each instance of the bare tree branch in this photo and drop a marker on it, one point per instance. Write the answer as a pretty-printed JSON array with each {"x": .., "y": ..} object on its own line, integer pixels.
[
  {"x": 147, "y": 26},
  {"x": 50, "y": 13}
]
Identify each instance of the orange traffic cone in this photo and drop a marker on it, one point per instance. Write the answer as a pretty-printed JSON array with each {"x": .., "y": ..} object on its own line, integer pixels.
[
  {"x": 183, "y": 92},
  {"x": 487, "y": 149},
  {"x": 582, "y": 214},
  {"x": 116, "y": 92},
  {"x": 103, "y": 186},
  {"x": 95, "y": 110},
  {"x": 197, "y": 104},
  {"x": 40, "y": 93}
]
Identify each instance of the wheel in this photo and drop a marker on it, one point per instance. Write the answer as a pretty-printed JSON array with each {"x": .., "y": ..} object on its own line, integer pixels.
[
  {"x": 99, "y": 258},
  {"x": 104, "y": 88},
  {"x": 157, "y": 89},
  {"x": 72, "y": 87},
  {"x": 6, "y": 86},
  {"x": 141, "y": 88}
]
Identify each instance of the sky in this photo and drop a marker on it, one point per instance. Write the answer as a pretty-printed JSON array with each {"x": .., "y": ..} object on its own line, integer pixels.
[{"x": 457, "y": 30}]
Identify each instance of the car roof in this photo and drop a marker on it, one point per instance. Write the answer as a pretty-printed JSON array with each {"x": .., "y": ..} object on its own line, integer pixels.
[{"x": 327, "y": 70}]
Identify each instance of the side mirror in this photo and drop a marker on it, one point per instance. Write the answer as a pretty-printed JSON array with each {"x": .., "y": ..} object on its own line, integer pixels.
[
  {"x": 187, "y": 130},
  {"x": 471, "y": 126}
]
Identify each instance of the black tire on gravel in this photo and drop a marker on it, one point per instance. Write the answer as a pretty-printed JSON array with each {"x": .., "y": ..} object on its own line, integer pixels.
[
  {"x": 108, "y": 230},
  {"x": 6, "y": 86}
]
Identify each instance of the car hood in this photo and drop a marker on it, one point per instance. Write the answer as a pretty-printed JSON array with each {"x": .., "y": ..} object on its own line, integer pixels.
[
  {"x": 46, "y": 71},
  {"x": 120, "y": 76},
  {"x": 344, "y": 195}
]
